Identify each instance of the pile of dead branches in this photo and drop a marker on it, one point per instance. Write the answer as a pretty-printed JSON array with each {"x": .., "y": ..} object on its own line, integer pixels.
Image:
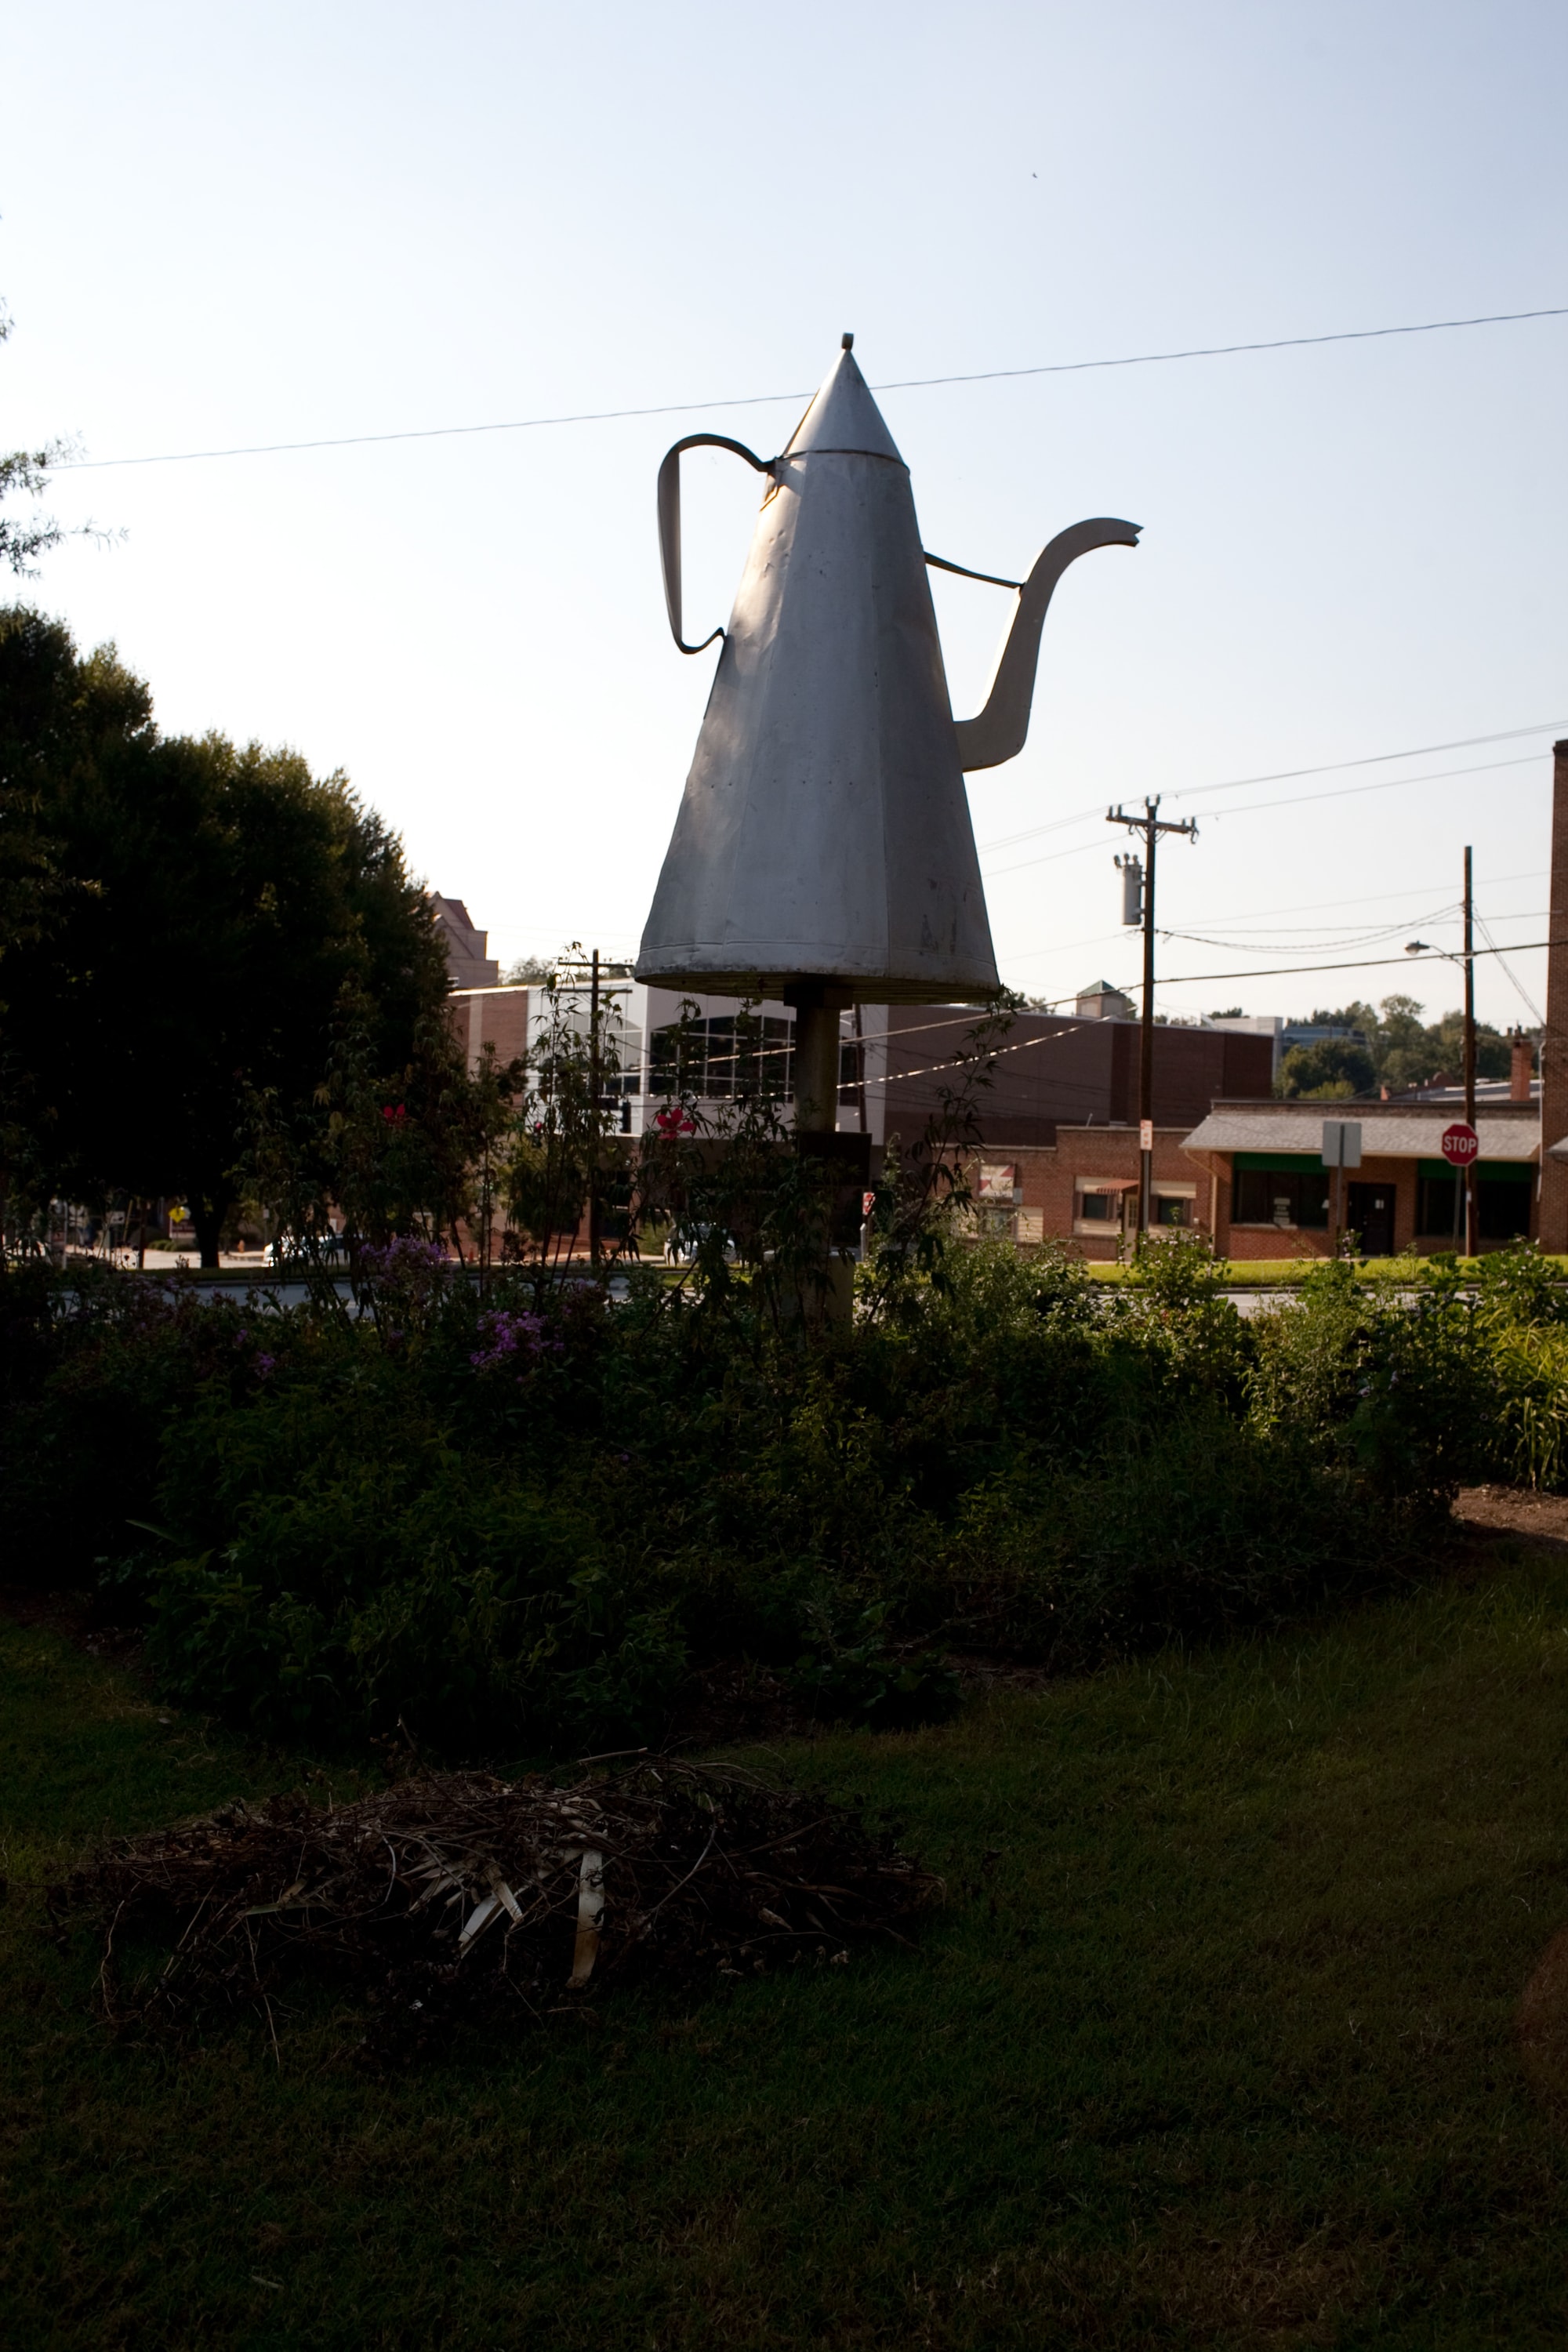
[{"x": 457, "y": 1894}]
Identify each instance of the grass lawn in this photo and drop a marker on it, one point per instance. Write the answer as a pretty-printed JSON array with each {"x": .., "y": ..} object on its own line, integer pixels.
[{"x": 1216, "y": 2042}]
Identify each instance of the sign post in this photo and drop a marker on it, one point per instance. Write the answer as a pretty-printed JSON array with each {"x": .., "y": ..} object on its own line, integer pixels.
[
  {"x": 1461, "y": 1149},
  {"x": 1342, "y": 1150}
]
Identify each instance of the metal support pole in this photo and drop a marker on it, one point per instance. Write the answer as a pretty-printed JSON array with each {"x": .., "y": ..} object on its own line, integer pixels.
[
  {"x": 815, "y": 1068},
  {"x": 817, "y": 1006},
  {"x": 594, "y": 1113},
  {"x": 1472, "y": 1234}
]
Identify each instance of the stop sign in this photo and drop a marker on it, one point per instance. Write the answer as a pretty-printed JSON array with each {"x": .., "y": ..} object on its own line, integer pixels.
[{"x": 1460, "y": 1144}]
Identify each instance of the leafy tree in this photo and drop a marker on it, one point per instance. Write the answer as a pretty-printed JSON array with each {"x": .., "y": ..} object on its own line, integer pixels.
[
  {"x": 1493, "y": 1054},
  {"x": 184, "y": 923},
  {"x": 411, "y": 1151},
  {"x": 61, "y": 720},
  {"x": 26, "y": 470},
  {"x": 29, "y": 470},
  {"x": 1405, "y": 1051},
  {"x": 1329, "y": 1071}
]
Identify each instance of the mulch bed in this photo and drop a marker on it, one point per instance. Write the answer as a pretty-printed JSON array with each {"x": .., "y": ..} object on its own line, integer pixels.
[{"x": 459, "y": 1896}]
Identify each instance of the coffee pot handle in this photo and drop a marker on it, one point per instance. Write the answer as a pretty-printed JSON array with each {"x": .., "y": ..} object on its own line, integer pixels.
[{"x": 669, "y": 520}]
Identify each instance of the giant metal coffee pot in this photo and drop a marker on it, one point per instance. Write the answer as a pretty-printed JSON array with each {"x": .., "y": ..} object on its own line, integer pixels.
[{"x": 823, "y": 851}]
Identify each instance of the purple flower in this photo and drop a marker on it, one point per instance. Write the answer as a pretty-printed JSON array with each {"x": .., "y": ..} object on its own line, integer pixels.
[
  {"x": 406, "y": 1254},
  {"x": 264, "y": 1364},
  {"x": 504, "y": 1337}
]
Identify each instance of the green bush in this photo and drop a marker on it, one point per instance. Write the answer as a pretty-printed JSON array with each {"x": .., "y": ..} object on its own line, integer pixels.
[
  {"x": 96, "y": 1369},
  {"x": 1181, "y": 1531},
  {"x": 516, "y": 1522},
  {"x": 353, "y": 1565},
  {"x": 867, "y": 1679}
]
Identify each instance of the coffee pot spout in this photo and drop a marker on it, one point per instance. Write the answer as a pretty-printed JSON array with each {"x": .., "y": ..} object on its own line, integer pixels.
[{"x": 998, "y": 731}]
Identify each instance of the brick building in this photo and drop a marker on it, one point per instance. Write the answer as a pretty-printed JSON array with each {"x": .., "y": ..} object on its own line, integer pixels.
[
  {"x": 1553, "y": 1217},
  {"x": 466, "y": 961},
  {"x": 493, "y": 1017},
  {"x": 1054, "y": 1072},
  {"x": 1269, "y": 1192},
  {"x": 1083, "y": 1188}
]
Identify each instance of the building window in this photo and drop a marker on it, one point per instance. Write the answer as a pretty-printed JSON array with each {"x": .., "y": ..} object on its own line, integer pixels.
[
  {"x": 1279, "y": 1196},
  {"x": 1172, "y": 1209},
  {"x": 1435, "y": 1207},
  {"x": 723, "y": 1057},
  {"x": 1099, "y": 1204},
  {"x": 1502, "y": 1208}
]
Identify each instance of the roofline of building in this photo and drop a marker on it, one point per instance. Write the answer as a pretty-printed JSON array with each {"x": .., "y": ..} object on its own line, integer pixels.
[{"x": 1397, "y": 1106}]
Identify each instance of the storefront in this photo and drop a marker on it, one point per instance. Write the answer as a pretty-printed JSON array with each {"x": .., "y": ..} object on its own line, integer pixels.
[{"x": 1273, "y": 1196}]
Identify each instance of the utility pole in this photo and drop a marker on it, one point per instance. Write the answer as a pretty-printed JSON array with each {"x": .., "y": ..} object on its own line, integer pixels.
[
  {"x": 1466, "y": 1197},
  {"x": 1472, "y": 1236},
  {"x": 1150, "y": 825}
]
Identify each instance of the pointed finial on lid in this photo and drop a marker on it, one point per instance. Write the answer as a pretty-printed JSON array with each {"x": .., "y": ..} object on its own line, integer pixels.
[{"x": 843, "y": 416}]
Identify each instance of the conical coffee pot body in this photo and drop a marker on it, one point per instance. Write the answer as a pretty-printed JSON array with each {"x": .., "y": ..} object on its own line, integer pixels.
[{"x": 825, "y": 831}]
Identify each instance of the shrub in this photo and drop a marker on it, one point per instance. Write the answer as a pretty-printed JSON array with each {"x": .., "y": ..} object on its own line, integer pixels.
[
  {"x": 360, "y": 1571},
  {"x": 1181, "y": 1530},
  {"x": 325, "y": 1523},
  {"x": 1408, "y": 1391},
  {"x": 99, "y": 1368},
  {"x": 512, "y": 1520},
  {"x": 1522, "y": 1307}
]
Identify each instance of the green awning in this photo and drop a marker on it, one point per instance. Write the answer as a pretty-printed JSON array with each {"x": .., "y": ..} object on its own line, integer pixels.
[{"x": 1492, "y": 1171}]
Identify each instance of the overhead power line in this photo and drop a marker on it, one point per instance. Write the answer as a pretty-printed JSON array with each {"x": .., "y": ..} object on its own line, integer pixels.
[
  {"x": 1358, "y": 963},
  {"x": 769, "y": 399},
  {"x": 1292, "y": 800},
  {"x": 1518, "y": 985},
  {"x": 1311, "y": 905},
  {"x": 1291, "y": 775},
  {"x": 1386, "y": 785}
]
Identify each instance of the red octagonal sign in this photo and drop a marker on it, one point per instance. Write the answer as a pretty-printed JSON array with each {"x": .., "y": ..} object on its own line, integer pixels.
[{"x": 1460, "y": 1144}]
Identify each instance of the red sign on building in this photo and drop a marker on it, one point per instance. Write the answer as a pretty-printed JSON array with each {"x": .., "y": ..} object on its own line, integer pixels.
[{"x": 1460, "y": 1144}]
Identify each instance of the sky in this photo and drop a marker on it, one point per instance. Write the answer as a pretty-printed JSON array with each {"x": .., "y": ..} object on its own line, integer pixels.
[{"x": 223, "y": 227}]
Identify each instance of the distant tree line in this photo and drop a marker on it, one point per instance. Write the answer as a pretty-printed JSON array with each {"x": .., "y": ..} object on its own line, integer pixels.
[{"x": 1393, "y": 1049}]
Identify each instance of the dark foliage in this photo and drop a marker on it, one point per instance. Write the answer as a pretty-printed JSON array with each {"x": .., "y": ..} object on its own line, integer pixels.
[
  {"x": 515, "y": 1519},
  {"x": 179, "y": 920},
  {"x": 1397, "y": 1049},
  {"x": 1333, "y": 1068}
]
